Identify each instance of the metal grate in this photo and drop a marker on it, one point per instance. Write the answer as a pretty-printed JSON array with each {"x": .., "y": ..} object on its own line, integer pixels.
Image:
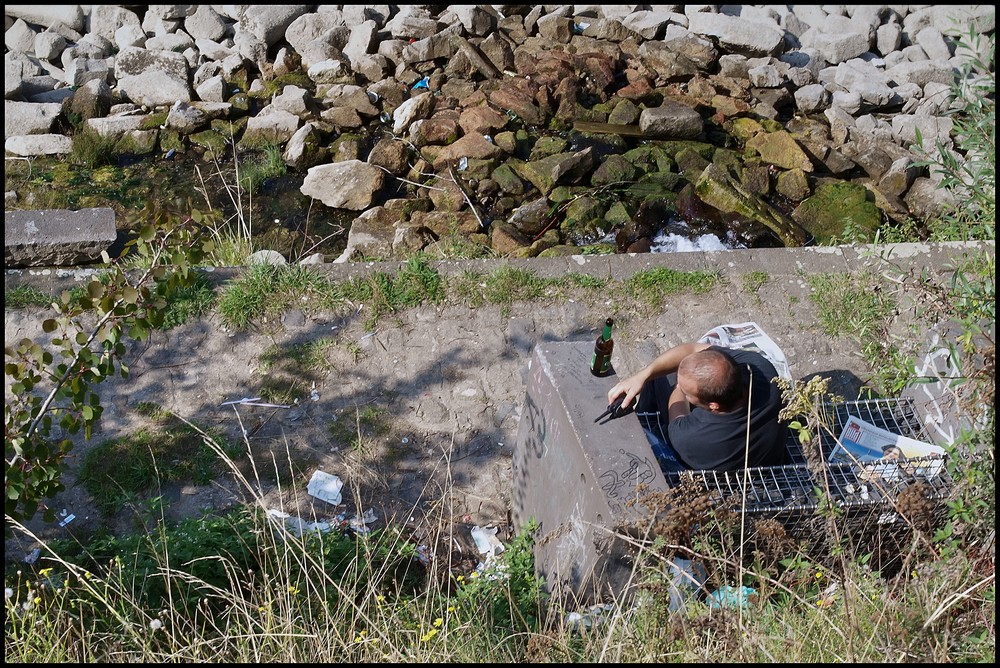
[{"x": 867, "y": 494}]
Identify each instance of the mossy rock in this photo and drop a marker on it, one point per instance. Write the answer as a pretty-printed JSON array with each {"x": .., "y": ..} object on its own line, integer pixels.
[
  {"x": 171, "y": 139},
  {"x": 675, "y": 146},
  {"x": 546, "y": 146},
  {"x": 508, "y": 181},
  {"x": 585, "y": 216},
  {"x": 650, "y": 158},
  {"x": 154, "y": 121},
  {"x": 835, "y": 206},
  {"x": 619, "y": 213},
  {"x": 210, "y": 140},
  {"x": 560, "y": 194},
  {"x": 614, "y": 169}
]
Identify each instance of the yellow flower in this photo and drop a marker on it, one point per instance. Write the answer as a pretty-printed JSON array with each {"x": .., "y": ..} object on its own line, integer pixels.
[
  {"x": 293, "y": 590},
  {"x": 438, "y": 622},
  {"x": 451, "y": 608},
  {"x": 474, "y": 574},
  {"x": 819, "y": 574},
  {"x": 380, "y": 598},
  {"x": 430, "y": 634},
  {"x": 361, "y": 635},
  {"x": 45, "y": 571},
  {"x": 461, "y": 578}
]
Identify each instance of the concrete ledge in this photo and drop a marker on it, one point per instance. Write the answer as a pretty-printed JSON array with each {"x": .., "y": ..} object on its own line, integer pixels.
[
  {"x": 580, "y": 480},
  {"x": 57, "y": 237}
]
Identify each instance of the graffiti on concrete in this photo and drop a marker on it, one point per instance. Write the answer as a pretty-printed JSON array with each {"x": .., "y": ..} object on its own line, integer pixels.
[
  {"x": 939, "y": 364},
  {"x": 619, "y": 484}
]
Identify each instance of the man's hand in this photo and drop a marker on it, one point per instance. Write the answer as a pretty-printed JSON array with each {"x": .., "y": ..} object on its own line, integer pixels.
[{"x": 630, "y": 387}]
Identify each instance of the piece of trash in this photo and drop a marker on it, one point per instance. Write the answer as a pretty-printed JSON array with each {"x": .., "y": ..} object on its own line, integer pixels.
[
  {"x": 578, "y": 28},
  {"x": 423, "y": 83},
  {"x": 297, "y": 525},
  {"x": 32, "y": 556},
  {"x": 66, "y": 520},
  {"x": 325, "y": 487},
  {"x": 487, "y": 541},
  {"x": 422, "y": 555},
  {"x": 360, "y": 524},
  {"x": 314, "y": 393},
  {"x": 488, "y": 138},
  {"x": 170, "y": 154},
  {"x": 255, "y": 401},
  {"x": 828, "y": 596},
  {"x": 595, "y": 614},
  {"x": 463, "y": 164},
  {"x": 732, "y": 597},
  {"x": 687, "y": 579},
  {"x": 373, "y": 97}
]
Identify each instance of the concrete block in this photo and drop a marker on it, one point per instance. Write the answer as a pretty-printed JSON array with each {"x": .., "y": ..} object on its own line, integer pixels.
[
  {"x": 578, "y": 479},
  {"x": 57, "y": 237}
]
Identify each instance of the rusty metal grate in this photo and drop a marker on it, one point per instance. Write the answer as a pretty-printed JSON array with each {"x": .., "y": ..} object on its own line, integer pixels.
[{"x": 793, "y": 493}]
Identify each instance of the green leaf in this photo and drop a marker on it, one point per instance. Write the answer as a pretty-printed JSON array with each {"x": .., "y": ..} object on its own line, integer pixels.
[
  {"x": 49, "y": 325},
  {"x": 147, "y": 233},
  {"x": 88, "y": 413}
]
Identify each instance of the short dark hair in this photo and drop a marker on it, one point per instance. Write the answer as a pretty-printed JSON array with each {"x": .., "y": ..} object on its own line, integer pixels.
[{"x": 717, "y": 375}]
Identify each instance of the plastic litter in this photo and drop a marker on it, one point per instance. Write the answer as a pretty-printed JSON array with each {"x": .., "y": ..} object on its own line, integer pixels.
[
  {"x": 32, "y": 556},
  {"x": 732, "y": 597},
  {"x": 423, "y": 83},
  {"x": 297, "y": 525},
  {"x": 686, "y": 579},
  {"x": 487, "y": 541},
  {"x": 360, "y": 524},
  {"x": 255, "y": 401},
  {"x": 595, "y": 614},
  {"x": 325, "y": 487},
  {"x": 463, "y": 164},
  {"x": 67, "y": 517}
]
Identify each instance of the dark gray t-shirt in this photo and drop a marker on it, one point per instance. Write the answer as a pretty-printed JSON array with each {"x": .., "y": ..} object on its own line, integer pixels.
[{"x": 716, "y": 441}]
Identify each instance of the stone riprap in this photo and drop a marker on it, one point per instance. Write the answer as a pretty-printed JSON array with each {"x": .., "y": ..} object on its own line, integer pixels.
[{"x": 454, "y": 99}]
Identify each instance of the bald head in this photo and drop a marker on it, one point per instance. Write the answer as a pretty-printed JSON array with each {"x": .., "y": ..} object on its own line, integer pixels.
[{"x": 716, "y": 376}]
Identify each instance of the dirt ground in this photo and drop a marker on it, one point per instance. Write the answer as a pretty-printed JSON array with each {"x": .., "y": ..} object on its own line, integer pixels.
[{"x": 443, "y": 382}]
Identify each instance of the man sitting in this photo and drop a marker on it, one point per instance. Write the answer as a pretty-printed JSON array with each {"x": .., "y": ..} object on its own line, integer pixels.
[{"x": 706, "y": 393}]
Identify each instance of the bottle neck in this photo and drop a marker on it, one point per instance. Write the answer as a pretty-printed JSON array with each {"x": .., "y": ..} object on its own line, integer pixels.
[{"x": 606, "y": 334}]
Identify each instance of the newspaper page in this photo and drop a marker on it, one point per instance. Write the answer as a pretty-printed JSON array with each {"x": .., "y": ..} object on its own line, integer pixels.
[
  {"x": 861, "y": 442},
  {"x": 749, "y": 336}
]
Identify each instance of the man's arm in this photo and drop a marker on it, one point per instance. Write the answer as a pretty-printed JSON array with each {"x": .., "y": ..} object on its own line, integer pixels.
[
  {"x": 678, "y": 405},
  {"x": 664, "y": 364}
]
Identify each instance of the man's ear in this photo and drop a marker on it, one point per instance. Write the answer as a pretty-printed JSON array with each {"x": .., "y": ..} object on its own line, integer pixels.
[{"x": 713, "y": 406}]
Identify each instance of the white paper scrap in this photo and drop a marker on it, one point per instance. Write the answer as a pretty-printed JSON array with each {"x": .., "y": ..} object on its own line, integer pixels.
[{"x": 325, "y": 487}]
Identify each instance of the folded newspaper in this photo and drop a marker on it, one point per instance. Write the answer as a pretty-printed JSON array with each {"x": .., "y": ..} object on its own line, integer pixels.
[
  {"x": 861, "y": 442},
  {"x": 749, "y": 336}
]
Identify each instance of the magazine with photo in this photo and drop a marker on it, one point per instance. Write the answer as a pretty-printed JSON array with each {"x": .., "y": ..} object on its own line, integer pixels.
[{"x": 861, "y": 442}]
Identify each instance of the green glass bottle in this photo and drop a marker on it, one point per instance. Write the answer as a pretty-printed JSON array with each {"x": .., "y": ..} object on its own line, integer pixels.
[{"x": 600, "y": 363}]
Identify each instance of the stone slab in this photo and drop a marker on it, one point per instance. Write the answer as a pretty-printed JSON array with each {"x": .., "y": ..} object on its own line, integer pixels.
[
  {"x": 57, "y": 237},
  {"x": 578, "y": 479}
]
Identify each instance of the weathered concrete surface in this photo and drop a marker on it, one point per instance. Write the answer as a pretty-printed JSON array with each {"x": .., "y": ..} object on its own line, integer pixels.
[
  {"x": 57, "y": 237},
  {"x": 575, "y": 477}
]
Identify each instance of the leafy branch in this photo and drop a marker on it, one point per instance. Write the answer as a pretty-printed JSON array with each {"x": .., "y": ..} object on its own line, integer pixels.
[{"x": 88, "y": 345}]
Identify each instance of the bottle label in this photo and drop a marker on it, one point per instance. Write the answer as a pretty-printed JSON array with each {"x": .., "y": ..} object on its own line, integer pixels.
[{"x": 600, "y": 364}]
